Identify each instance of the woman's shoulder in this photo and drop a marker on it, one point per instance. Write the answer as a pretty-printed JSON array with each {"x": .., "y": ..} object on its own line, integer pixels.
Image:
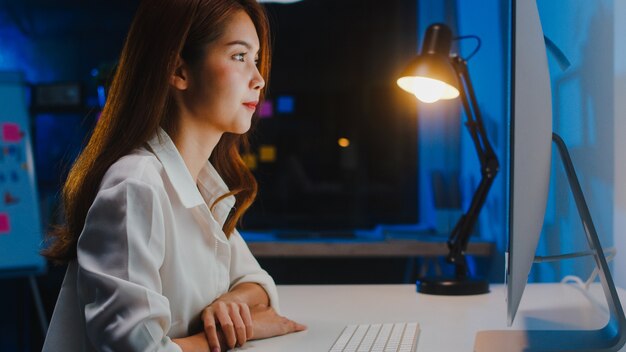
[{"x": 139, "y": 167}]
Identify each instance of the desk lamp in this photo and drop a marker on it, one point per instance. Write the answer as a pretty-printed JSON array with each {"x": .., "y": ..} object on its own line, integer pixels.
[{"x": 433, "y": 75}]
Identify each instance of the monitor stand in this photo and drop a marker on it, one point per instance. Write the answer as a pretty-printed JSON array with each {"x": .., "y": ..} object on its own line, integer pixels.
[{"x": 611, "y": 337}]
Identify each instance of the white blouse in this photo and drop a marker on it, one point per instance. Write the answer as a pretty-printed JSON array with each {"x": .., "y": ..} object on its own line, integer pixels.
[{"x": 151, "y": 256}]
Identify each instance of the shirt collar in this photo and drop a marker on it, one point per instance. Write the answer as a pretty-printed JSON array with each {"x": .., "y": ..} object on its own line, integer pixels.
[
  {"x": 209, "y": 180},
  {"x": 212, "y": 186}
]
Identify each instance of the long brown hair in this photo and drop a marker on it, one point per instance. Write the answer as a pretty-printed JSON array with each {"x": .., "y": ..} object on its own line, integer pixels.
[{"x": 140, "y": 101}]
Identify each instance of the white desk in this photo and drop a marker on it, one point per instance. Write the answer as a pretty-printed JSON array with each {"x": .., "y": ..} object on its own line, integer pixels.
[{"x": 447, "y": 323}]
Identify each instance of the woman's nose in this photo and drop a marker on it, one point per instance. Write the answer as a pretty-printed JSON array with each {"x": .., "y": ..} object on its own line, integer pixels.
[{"x": 257, "y": 81}]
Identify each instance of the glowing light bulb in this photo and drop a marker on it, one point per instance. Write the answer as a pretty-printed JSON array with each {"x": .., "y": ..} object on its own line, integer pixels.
[
  {"x": 428, "y": 94},
  {"x": 343, "y": 142},
  {"x": 428, "y": 90}
]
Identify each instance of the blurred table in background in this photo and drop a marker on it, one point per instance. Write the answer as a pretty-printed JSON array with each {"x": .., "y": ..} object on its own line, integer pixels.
[{"x": 419, "y": 247}]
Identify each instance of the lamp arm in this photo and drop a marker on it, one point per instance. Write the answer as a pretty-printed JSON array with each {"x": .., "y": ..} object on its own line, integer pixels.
[
  {"x": 459, "y": 237},
  {"x": 475, "y": 124}
]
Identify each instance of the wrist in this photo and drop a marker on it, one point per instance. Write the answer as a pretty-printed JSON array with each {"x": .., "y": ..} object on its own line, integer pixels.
[
  {"x": 249, "y": 293},
  {"x": 231, "y": 297}
]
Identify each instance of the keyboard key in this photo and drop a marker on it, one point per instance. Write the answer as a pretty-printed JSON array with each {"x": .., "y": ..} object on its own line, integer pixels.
[
  {"x": 399, "y": 337},
  {"x": 368, "y": 340},
  {"x": 356, "y": 339},
  {"x": 343, "y": 339}
]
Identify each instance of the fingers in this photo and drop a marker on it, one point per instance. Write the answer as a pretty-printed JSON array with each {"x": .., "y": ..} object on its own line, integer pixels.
[
  {"x": 246, "y": 316},
  {"x": 238, "y": 323},
  {"x": 233, "y": 319},
  {"x": 291, "y": 326},
  {"x": 226, "y": 323},
  {"x": 210, "y": 330},
  {"x": 298, "y": 327}
]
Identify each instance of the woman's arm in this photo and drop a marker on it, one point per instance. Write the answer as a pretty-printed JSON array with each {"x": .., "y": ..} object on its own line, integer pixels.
[
  {"x": 119, "y": 253},
  {"x": 250, "y": 309},
  {"x": 193, "y": 343},
  {"x": 245, "y": 269}
]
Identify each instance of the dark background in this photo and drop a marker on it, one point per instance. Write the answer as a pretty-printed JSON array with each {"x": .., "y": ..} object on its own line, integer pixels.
[{"x": 339, "y": 61}]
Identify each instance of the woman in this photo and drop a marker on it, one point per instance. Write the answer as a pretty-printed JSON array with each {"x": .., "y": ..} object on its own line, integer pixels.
[{"x": 155, "y": 261}]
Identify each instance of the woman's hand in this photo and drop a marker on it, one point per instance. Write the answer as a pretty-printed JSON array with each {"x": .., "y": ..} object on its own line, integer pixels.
[
  {"x": 234, "y": 321},
  {"x": 243, "y": 314},
  {"x": 267, "y": 323}
]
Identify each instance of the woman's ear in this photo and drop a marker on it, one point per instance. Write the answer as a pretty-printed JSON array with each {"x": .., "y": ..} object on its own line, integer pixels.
[{"x": 180, "y": 78}]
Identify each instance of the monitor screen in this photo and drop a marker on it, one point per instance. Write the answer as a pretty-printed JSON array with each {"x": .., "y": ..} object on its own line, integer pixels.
[{"x": 335, "y": 145}]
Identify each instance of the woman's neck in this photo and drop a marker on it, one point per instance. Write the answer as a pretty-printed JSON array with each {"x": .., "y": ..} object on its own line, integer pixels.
[{"x": 195, "y": 144}]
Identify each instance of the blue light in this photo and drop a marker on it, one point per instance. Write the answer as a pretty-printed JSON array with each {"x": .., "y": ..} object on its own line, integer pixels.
[
  {"x": 101, "y": 96},
  {"x": 20, "y": 53},
  {"x": 12, "y": 52},
  {"x": 285, "y": 104}
]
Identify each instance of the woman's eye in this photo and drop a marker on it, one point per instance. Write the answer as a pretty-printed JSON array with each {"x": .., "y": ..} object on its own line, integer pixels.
[{"x": 240, "y": 57}]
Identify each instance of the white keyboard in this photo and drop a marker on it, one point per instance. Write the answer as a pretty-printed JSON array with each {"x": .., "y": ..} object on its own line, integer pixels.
[{"x": 399, "y": 337}]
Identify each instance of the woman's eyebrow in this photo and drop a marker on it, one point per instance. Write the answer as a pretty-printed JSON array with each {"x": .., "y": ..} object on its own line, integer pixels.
[{"x": 241, "y": 42}]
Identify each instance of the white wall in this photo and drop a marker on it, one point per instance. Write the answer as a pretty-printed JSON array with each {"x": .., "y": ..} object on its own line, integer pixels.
[{"x": 619, "y": 217}]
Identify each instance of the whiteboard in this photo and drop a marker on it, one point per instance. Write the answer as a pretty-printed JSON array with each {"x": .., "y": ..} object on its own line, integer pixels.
[{"x": 20, "y": 224}]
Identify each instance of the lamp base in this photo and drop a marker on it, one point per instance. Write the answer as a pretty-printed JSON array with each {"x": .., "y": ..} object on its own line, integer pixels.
[{"x": 452, "y": 286}]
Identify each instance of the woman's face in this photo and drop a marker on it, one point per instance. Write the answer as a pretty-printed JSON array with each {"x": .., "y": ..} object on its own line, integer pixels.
[{"x": 224, "y": 91}]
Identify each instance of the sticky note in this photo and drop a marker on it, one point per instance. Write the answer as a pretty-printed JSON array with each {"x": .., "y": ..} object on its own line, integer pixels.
[
  {"x": 266, "y": 109},
  {"x": 250, "y": 160},
  {"x": 267, "y": 153},
  {"x": 5, "y": 226},
  {"x": 285, "y": 104},
  {"x": 11, "y": 132},
  {"x": 9, "y": 199}
]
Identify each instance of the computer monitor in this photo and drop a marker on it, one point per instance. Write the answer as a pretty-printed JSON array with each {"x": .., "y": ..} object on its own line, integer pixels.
[{"x": 530, "y": 144}]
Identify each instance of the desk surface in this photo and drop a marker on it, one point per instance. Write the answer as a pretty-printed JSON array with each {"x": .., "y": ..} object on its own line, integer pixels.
[{"x": 447, "y": 323}]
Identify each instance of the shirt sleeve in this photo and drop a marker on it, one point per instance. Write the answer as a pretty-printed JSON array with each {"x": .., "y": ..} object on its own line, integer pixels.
[
  {"x": 120, "y": 252},
  {"x": 245, "y": 268}
]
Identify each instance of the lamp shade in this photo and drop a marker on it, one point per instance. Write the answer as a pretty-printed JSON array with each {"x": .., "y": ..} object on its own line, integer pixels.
[{"x": 430, "y": 76}]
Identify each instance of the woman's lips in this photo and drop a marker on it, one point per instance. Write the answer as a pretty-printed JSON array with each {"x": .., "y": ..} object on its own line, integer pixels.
[{"x": 251, "y": 105}]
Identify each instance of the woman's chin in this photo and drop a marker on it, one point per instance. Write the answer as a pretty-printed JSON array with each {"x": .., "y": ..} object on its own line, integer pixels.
[{"x": 243, "y": 126}]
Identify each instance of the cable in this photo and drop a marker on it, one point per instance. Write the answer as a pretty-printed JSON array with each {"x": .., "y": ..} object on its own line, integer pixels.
[
  {"x": 553, "y": 258},
  {"x": 574, "y": 279},
  {"x": 478, "y": 44},
  {"x": 609, "y": 254}
]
